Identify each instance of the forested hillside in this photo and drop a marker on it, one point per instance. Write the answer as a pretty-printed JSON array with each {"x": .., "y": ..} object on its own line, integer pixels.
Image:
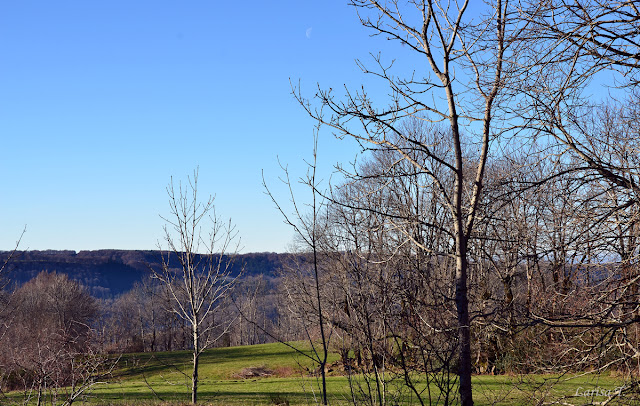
[{"x": 108, "y": 273}]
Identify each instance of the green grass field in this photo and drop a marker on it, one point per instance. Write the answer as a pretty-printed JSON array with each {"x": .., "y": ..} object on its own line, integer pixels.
[
  {"x": 164, "y": 378},
  {"x": 167, "y": 377}
]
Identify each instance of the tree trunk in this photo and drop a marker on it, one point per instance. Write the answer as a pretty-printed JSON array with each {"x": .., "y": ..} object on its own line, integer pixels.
[
  {"x": 196, "y": 359},
  {"x": 153, "y": 326},
  {"x": 464, "y": 333},
  {"x": 325, "y": 349}
]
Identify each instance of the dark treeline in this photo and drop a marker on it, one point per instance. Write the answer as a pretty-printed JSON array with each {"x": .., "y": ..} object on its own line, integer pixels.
[
  {"x": 110, "y": 273},
  {"x": 136, "y": 314}
]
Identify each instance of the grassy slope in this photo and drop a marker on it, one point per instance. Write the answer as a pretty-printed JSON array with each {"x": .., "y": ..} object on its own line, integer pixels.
[
  {"x": 168, "y": 375},
  {"x": 219, "y": 363}
]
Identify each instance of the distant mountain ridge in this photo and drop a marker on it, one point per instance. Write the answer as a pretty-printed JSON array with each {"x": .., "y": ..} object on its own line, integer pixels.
[{"x": 108, "y": 273}]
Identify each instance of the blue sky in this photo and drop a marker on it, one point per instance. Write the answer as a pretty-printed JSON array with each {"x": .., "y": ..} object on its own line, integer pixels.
[{"x": 101, "y": 102}]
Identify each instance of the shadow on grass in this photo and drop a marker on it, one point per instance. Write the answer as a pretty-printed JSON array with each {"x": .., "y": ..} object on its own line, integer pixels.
[
  {"x": 229, "y": 358},
  {"x": 267, "y": 391},
  {"x": 238, "y": 396}
]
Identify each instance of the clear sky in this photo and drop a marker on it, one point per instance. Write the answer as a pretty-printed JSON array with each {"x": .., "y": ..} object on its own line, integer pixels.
[{"x": 101, "y": 102}]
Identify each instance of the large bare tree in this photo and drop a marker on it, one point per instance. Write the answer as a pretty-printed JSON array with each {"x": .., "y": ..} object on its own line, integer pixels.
[
  {"x": 196, "y": 268},
  {"x": 458, "y": 82}
]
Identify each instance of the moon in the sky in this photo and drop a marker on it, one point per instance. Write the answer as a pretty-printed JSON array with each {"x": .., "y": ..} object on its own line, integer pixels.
[{"x": 308, "y": 32}]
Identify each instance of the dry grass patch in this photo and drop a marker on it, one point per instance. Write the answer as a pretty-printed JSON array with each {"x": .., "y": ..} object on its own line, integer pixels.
[{"x": 254, "y": 372}]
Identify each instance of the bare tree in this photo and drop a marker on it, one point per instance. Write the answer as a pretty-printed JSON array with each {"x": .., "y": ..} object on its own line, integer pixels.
[
  {"x": 307, "y": 276},
  {"x": 589, "y": 35},
  {"x": 49, "y": 349},
  {"x": 573, "y": 50},
  {"x": 392, "y": 308},
  {"x": 255, "y": 299},
  {"x": 579, "y": 87},
  {"x": 462, "y": 87},
  {"x": 6, "y": 261},
  {"x": 196, "y": 267},
  {"x": 5, "y": 311}
]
